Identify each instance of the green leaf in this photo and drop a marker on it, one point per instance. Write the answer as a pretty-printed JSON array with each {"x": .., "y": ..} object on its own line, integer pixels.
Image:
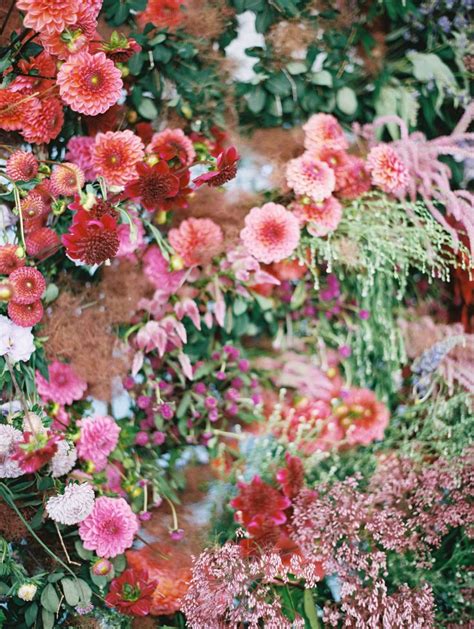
[
  {"x": 72, "y": 593},
  {"x": 87, "y": 555},
  {"x": 147, "y": 109},
  {"x": 346, "y": 100},
  {"x": 159, "y": 39},
  {"x": 86, "y": 592},
  {"x": 50, "y": 599},
  {"x": 48, "y": 619},
  {"x": 31, "y": 612},
  {"x": 256, "y": 100},
  {"x": 119, "y": 563},
  {"x": 296, "y": 67},
  {"x": 322, "y": 78},
  {"x": 135, "y": 63},
  {"x": 310, "y": 610},
  {"x": 279, "y": 85},
  {"x": 162, "y": 54}
]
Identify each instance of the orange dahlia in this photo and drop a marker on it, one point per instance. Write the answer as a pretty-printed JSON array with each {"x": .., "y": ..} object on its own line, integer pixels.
[
  {"x": 15, "y": 108},
  {"x": 89, "y": 84},
  {"x": 49, "y": 15},
  {"x": 115, "y": 156}
]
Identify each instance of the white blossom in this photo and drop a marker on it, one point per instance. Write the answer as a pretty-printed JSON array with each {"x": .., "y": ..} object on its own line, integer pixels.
[
  {"x": 73, "y": 506},
  {"x": 9, "y": 436},
  {"x": 64, "y": 459},
  {"x": 16, "y": 342},
  {"x": 27, "y": 591}
]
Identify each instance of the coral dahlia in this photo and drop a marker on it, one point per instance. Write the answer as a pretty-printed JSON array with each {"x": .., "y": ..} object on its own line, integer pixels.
[
  {"x": 91, "y": 240},
  {"x": 353, "y": 180},
  {"x": 79, "y": 151},
  {"x": 67, "y": 179},
  {"x": 63, "y": 386},
  {"x": 15, "y": 108},
  {"x": 115, "y": 156},
  {"x": 362, "y": 417},
  {"x": 307, "y": 175},
  {"x": 9, "y": 259},
  {"x": 25, "y": 315},
  {"x": 322, "y": 217},
  {"x": 42, "y": 243},
  {"x": 154, "y": 185},
  {"x": 22, "y": 166},
  {"x": 89, "y": 83},
  {"x": 271, "y": 233},
  {"x": 28, "y": 285},
  {"x": 324, "y": 131},
  {"x": 48, "y": 15},
  {"x": 131, "y": 593},
  {"x": 197, "y": 240},
  {"x": 257, "y": 499},
  {"x": 387, "y": 170},
  {"x": 45, "y": 121},
  {"x": 110, "y": 528}
]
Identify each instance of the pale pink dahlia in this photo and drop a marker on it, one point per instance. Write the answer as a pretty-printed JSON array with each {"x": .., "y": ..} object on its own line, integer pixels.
[
  {"x": 99, "y": 437},
  {"x": 79, "y": 151},
  {"x": 387, "y": 170},
  {"x": 49, "y": 15},
  {"x": 67, "y": 179},
  {"x": 22, "y": 166},
  {"x": 89, "y": 84},
  {"x": 309, "y": 176},
  {"x": 172, "y": 143},
  {"x": 321, "y": 218},
  {"x": 64, "y": 385},
  {"x": 110, "y": 528},
  {"x": 197, "y": 240},
  {"x": 324, "y": 131},
  {"x": 115, "y": 155},
  {"x": 271, "y": 233}
]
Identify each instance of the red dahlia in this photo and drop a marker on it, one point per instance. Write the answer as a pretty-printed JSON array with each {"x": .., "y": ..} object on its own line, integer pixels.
[
  {"x": 25, "y": 315},
  {"x": 155, "y": 184},
  {"x": 35, "y": 450},
  {"x": 42, "y": 243},
  {"x": 131, "y": 593},
  {"x": 92, "y": 240},
  {"x": 28, "y": 284},
  {"x": 291, "y": 478},
  {"x": 226, "y": 169}
]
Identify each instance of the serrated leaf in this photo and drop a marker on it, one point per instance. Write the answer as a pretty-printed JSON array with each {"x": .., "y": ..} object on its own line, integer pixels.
[{"x": 50, "y": 599}]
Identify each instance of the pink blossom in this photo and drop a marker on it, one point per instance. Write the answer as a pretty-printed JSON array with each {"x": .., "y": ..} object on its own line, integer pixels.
[
  {"x": 131, "y": 240},
  {"x": 309, "y": 176},
  {"x": 188, "y": 307},
  {"x": 99, "y": 437},
  {"x": 324, "y": 131},
  {"x": 321, "y": 218},
  {"x": 63, "y": 386},
  {"x": 79, "y": 151},
  {"x": 387, "y": 170},
  {"x": 111, "y": 527},
  {"x": 158, "y": 271}
]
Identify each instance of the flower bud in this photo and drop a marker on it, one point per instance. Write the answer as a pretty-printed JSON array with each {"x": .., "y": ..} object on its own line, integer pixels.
[
  {"x": 176, "y": 263},
  {"x": 102, "y": 568}
]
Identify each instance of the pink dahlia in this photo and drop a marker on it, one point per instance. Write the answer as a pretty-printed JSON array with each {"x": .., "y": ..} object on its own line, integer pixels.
[
  {"x": 67, "y": 179},
  {"x": 45, "y": 121},
  {"x": 324, "y": 131},
  {"x": 116, "y": 154},
  {"x": 311, "y": 177},
  {"x": 99, "y": 437},
  {"x": 10, "y": 259},
  {"x": 22, "y": 166},
  {"x": 322, "y": 217},
  {"x": 49, "y": 15},
  {"x": 353, "y": 180},
  {"x": 197, "y": 240},
  {"x": 158, "y": 271},
  {"x": 89, "y": 84},
  {"x": 172, "y": 143},
  {"x": 110, "y": 528},
  {"x": 362, "y": 417},
  {"x": 63, "y": 386},
  {"x": 15, "y": 109},
  {"x": 271, "y": 233},
  {"x": 79, "y": 151},
  {"x": 78, "y": 36},
  {"x": 387, "y": 170}
]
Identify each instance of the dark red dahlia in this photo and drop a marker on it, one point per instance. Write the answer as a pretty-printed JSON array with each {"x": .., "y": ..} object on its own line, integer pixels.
[
  {"x": 120, "y": 48},
  {"x": 28, "y": 285},
  {"x": 42, "y": 243},
  {"x": 9, "y": 259},
  {"x": 92, "y": 240},
  {"x": 131, "y": 593},
  {"x": 291, "y": 477},
  {"x": 25, "y": 315},
  {"x": 155, "y": 185},
  {"x": 258, "y": 502},
  {"x": 226, "y": 169},
  {"x": 35, "y": 450}
]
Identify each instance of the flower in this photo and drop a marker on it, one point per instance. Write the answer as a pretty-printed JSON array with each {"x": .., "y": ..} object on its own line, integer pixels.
[
  {"x": 197, "y": 240},
  {"x": 115, "y": 155},
  {"x": 48, "y": 15},
  {"x": 120, "y": 48},
  {"x": 22, "y": 166},
  {"x": 99, "y": 437},
  {"x": 271, "y": 233},
  {"x": 91, "y": 240},
  {"x": 9, "y": 259},
  {"x": 35, "y": 450},
  {"x": 67, "y": 179},
  {"x": 102, "y": 567},
  {"x": 77, "y": 36},
  {"x": 158, "y": 271},
  {"x": 35, "y": 74},
  {"x": 226, "y": 169},
  {"x": 15, "y": 342},
  {"x": 89, "y": 83},
  {"x": 63, "y": 386},
  {"x": 131, "y": 593},
  {"x": 154, "y": 185},
  {"x": 291, "y": 477},
  {"x": 28, "y": 285},
  {"x": 307, "y": 175},
  {"x": 352, "y": 180},
  {"x": 64, "y": 459},
  {"x": 45, "y": 121},
  {"x": 27, "y": 591},
  {"x": 25, "y": 315},
  {"x": 324, "y": 131},
  {"x": 362, "y": 417},
  {"x": 79, "y": 151},
  {"x": 322, "y": 217},
  {"x": 162, "y": 13},
  {"x": 33, "y": 209},
  {"x": 387, "y": 170},
  {"x": 110, "y": 528},
  {"x": 9, "y": 438},
  {"x": 73, "y": 506},
  {"x": 42, "y": 243},
  {"x": 257, "y": 502},
  {"x": 172, "y": 143}
]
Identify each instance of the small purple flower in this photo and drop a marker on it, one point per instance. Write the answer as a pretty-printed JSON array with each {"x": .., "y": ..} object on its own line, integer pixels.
[
  {"x": 364, "y": 315},
  {"x": 221, "y": 375},
  {"x": 177, "y": 535},
  {"x": 232, "y": 352},
  {"x": 256, "y": 398},
  {"x": 145, "y": 516},
  {"x": 237, "y": 383},
  {"x": 345, "y": 351},
  {"x": 143, "y": 401},
  {"x": 128, "y": 383},
  {"x": 216, "y": 356},
  {"x": 200, "y": 388},
  {"x": 166, "y": 411},
  {"x": 244, "y": 365},
  {"x": 213, "y": 415},
  {"x": 232, "y": 395}
]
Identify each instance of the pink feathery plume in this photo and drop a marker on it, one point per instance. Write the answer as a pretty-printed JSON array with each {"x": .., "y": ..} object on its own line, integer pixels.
[{"x": 429, "y": 177}]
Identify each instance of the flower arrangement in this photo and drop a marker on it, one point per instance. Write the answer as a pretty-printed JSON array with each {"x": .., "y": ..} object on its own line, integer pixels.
[{"x": 223, "y": 407}]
